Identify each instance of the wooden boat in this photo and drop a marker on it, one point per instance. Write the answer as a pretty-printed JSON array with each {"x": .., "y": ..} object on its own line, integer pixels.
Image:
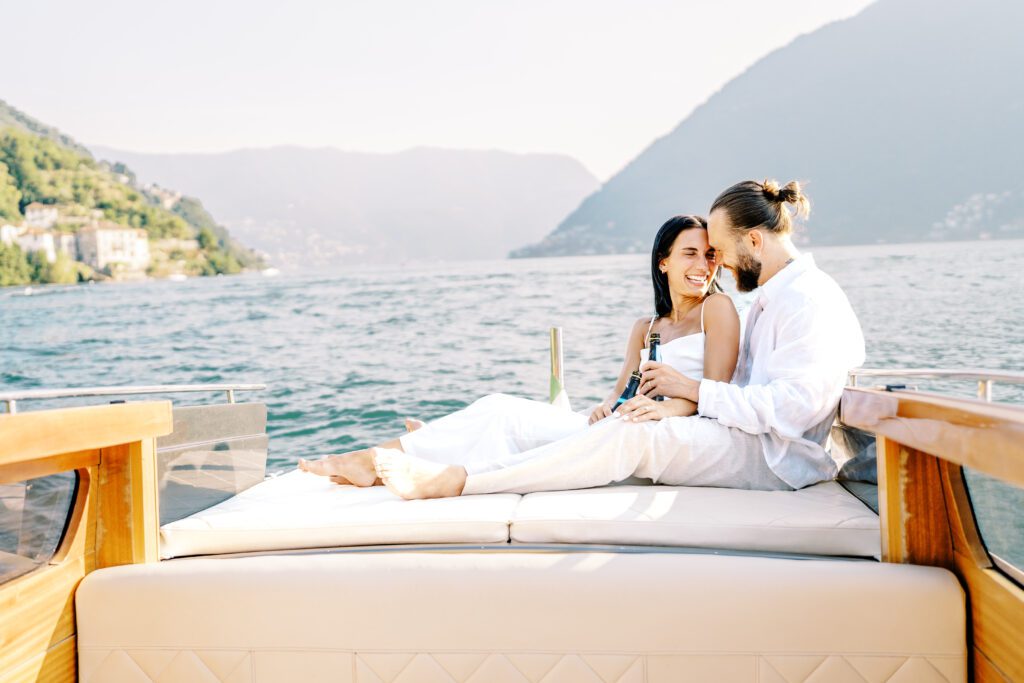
[{"x": 630, "y": 583}]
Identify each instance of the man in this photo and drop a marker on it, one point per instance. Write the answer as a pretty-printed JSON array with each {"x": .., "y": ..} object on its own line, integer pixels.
[{"x": 767, "y": 429}]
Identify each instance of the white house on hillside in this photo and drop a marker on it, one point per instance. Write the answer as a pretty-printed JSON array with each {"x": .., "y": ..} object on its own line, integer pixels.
[
  {"x": 67, "y": 243},
  {"x": 9, "y": 233},
  {"x": 41, "y": 215},
  {"x": 35, "y": 239},
  {"x": 114, "y": 245}
]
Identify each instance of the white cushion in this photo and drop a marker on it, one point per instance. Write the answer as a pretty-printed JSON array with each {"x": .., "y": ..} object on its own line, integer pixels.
[
  {"x": 508, "y": 616},
  {"x": 302, "y": 510},
  {"x": 823, "y": 519}
]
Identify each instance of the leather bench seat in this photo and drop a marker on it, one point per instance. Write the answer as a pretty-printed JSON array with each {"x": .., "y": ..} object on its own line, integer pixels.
[
  {"x": 820, "y": 520},
  {"x": 519, "y": 617},
  {"x": 300, "y": 510}
]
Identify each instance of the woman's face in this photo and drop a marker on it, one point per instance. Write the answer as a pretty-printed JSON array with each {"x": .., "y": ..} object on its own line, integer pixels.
[{"x": 690, "y": 263}]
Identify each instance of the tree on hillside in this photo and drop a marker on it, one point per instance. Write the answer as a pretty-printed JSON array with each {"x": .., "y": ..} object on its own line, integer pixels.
[
  {"x": 10, "y": 196},
  {"x": 62, "y": 271},
  {"x": 207, "y": 240},
  {"x": 14, "y": 267}
]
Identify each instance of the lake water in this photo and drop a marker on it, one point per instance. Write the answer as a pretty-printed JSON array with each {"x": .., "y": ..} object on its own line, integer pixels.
[{"x": 347, "y": 355}]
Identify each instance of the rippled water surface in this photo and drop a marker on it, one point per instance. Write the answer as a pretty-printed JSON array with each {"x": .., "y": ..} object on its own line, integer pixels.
[{"x": 347, "y": 355}]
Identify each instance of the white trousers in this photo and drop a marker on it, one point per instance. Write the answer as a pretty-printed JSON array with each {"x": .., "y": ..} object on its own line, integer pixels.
[{"x": 509, "y": 444}]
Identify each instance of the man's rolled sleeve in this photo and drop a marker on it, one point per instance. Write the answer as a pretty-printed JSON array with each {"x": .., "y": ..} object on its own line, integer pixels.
[{"x": 709, "y": 397}]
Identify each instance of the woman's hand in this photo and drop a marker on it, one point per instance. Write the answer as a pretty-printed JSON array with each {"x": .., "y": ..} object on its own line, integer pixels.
[
  {"x": 601, "y": 411},
  {"x": 641, "y": 408},
  {"x": 660, "y": 379}
]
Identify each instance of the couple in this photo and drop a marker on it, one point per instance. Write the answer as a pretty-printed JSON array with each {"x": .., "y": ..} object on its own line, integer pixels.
[{"x": 754, "y": 415}]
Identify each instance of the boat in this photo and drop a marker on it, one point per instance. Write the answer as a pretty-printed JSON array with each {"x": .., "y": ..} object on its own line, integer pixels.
[{"x": 175, "y": 560}]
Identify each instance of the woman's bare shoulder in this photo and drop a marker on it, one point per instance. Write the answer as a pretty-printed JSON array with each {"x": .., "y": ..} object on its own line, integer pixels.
[
  {"x": 719, "y": 307},
  {"x": 639, "y": 329}
]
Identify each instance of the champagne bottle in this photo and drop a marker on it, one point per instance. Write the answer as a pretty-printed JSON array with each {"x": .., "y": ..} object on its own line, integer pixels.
[
  {"x": 630, "y": 390},
  {"x": 654, "y": 353}
]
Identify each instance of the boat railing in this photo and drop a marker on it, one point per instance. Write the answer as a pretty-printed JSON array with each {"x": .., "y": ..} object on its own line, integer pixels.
[
  {"x": 9, "y": 399},
  {"x": 984, "y": 378}
]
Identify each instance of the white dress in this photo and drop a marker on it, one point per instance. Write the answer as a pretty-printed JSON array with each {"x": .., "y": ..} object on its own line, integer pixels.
[
  {"x": 509, "y": 444},
  {"x": 499, "y": 425}
]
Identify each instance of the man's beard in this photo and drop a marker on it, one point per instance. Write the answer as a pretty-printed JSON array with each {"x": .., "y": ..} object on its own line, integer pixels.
[{"x": 747, "y": 272}]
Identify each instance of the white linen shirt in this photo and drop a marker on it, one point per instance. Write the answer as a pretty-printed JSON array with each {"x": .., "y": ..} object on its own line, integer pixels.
[{"x": 804, "y": 340}]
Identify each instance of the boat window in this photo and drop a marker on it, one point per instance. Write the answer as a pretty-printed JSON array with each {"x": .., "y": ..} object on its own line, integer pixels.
[
  {"x": 997, "y": 510},
  {"x": 33, "y": 516}
]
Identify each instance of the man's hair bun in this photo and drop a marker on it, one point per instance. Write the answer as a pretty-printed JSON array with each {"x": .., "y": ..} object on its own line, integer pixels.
[
  {"x": 790, "y": 193},
  {"x": 763, "y": 205}
]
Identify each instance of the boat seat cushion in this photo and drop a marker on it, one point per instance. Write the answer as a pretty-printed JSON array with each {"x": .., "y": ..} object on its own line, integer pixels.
[
  {"x": 823, "y": 519},
  {"x": 513, "y": 617},
  {"x": 300, "y": 510}
]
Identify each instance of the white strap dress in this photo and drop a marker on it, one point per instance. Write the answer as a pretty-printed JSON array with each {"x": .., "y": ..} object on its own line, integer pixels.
[{"x": 499, "y": 425}]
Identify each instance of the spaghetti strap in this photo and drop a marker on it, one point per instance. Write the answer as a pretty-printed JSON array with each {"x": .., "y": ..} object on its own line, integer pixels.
[
  {"x": 651, "y": 326},
  {"x": 702, "y": 315}
]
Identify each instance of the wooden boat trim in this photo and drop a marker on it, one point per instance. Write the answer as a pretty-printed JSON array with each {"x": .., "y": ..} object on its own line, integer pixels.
[
  {"x": 114, "y": 520},
  {"x": 47, "y": 433},
  {"x": 923, "y": 444},
  {"x": 986, "y": 437}
]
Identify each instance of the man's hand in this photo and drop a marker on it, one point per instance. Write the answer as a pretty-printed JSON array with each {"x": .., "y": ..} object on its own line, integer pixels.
[
  {"x": 660, "y": 379},
  {"x": 600, "y": 411},
  {"x": 640, "y": 408}
]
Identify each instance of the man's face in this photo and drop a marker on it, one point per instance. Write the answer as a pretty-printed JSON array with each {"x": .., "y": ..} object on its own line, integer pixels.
[{"x": 732, "y": 252}]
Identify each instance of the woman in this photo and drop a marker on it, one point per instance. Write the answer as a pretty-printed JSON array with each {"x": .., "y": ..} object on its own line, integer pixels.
[{"x": 699, "y": 329}]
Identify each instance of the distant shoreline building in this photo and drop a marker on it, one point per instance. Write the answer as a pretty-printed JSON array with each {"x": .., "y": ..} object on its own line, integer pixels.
[
  {"x": 116, "y": 246},
  {"x": 37, "y": 239},
  {"x": 43, "y": 216},
  {"x": 9, "y": 233}
]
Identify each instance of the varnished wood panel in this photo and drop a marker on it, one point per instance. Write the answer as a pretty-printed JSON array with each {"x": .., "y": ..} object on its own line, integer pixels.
[
  {"x": 985, "y": 437},
  {"x": 912, "y": 507},
  {"x": 127, "y": 492},
  {"x": 59, "y": 664},
  {"x": 925, "y": 508},
  {"x": 29, "y": 436},
  {"x": 114, "y": 517},
  {"x": 996, "y": 609},
  {"x": 38, "y": 612},
  {"x": 42, "y": 467}
]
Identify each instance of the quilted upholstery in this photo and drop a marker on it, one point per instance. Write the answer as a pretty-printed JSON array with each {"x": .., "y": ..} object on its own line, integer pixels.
[
  {"x": 484, "y": 617},
  {"x": 300, "y": 510},
  {"x": 242, "y": 666}
]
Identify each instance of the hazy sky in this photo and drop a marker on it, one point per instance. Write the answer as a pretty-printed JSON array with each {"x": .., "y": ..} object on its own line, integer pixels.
[{"x": 594, "y": 79}]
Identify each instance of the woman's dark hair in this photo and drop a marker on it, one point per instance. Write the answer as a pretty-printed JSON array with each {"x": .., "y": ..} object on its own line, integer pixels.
[
  {"x": 751, "y": 204},
  {"x": 663, "y": 242}
]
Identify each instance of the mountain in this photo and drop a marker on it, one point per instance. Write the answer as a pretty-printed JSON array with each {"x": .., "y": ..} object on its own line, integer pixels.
[
  {"x": 15, "y": 118},
  {"x": 906, "y": 121},
  {"x": 51, "y": 188},
  {"x": 324, "y": 206}
]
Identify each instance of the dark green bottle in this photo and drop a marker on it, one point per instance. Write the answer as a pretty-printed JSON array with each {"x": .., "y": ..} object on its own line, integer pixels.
[
  {"x": 654, "y": 353},
  {"x": 630, "y": 391}
]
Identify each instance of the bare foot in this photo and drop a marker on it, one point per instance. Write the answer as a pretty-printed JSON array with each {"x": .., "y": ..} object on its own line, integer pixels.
[
  {"x": 412, "y": 424},
  {"x": 413, "y": 478},
  {"x": 354, "y": 468},
  {"x": 345, "y": 482}
]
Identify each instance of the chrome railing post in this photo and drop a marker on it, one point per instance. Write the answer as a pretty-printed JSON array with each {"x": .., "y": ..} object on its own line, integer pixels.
[
  {"x": 985, "y": 390},
  {"x": 231, "y": 395},
  {"x": 11, "y": 407}
]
